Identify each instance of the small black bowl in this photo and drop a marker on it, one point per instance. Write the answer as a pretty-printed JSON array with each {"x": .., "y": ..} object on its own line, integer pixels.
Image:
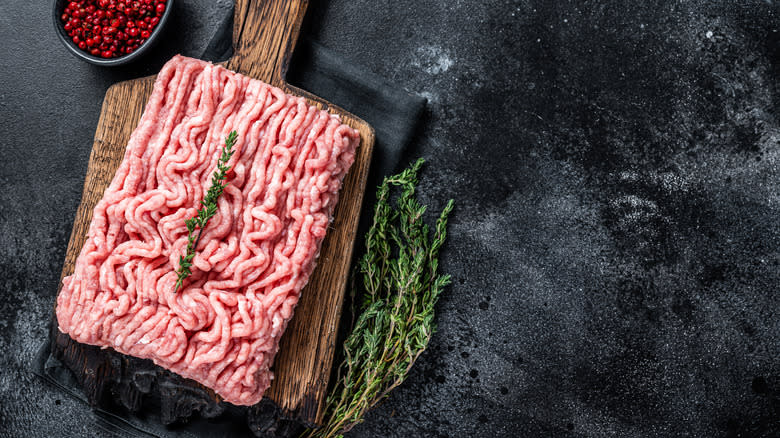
[{"x": 59, "y": 6}]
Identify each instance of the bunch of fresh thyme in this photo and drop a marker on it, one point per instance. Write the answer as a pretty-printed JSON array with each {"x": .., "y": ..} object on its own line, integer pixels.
[
  {"x": 402, "y": 284},
  {"x": 208, "y": 209}
]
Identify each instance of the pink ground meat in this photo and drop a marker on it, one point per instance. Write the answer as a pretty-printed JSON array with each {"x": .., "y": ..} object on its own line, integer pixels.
[{"x": 255, "y": 255}]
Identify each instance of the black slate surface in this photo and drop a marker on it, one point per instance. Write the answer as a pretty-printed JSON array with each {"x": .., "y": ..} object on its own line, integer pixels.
[{"x": 616, "y": 244}]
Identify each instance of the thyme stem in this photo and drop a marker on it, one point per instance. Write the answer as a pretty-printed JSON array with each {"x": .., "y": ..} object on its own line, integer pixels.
[
  {"x": 395, "y": 323},
  {"x": 206, "y": 212}
]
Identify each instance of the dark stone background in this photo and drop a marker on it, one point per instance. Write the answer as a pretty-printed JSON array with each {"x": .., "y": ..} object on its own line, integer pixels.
[{"x": 616, "y": 244}]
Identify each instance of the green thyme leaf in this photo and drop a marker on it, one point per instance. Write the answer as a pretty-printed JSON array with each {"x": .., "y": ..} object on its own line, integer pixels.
[
  {"x": 401, "y": 281},
  {"x": 209, "y": 209}
]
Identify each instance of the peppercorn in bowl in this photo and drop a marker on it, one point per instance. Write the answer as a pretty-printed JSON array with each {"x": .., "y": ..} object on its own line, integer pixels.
[{"x": 110, "y": 32}]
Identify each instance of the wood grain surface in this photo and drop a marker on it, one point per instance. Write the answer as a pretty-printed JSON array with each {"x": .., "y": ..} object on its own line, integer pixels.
[{"x": 264, "y": 36}]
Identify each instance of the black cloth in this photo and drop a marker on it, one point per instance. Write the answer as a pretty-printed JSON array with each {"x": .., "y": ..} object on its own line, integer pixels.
[{"x": 393, "y": 113}]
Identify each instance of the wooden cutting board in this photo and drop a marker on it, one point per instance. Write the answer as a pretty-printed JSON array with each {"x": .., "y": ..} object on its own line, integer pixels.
[{"x": 264, "y": 35}]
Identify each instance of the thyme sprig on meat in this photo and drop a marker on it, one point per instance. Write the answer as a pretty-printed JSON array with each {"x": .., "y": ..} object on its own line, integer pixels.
[
  {"x": 400, "y": 276},
  {"x": 207, "y": 211}
]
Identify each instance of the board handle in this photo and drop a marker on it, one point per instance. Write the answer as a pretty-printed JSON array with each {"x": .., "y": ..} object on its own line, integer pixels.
[{"x": 264, "y": 36}]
